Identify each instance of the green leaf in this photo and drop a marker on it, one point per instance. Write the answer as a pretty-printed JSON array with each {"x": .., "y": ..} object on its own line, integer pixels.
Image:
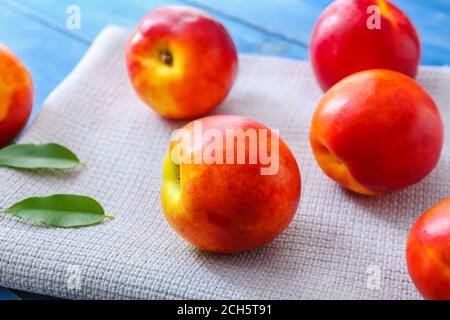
[
  {"x": 63, "y": 211},
  {"x": 43, "y": 156}
]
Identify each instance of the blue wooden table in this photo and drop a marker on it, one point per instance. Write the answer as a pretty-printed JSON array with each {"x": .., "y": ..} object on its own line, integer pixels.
[{"x": 37, "y": 31}]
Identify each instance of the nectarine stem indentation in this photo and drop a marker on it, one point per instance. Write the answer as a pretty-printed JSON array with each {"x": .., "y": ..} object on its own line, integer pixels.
[
  {"x": 172, "y": 179},
  {"x": 166, "y": 57}
]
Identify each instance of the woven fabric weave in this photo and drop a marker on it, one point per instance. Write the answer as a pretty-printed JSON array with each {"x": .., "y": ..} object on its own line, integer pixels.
[{"x": 338, "y": 246}]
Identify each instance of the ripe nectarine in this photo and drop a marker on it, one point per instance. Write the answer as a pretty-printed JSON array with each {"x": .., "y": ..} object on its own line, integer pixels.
[
  {"x": 182, "y": 62},
  {"x": 376, "y": 132},
  {"x": 357, "y": 35},
  {"x": 16, "y": 96},
  {"x": 230, "y": 204},
  {"x": 428, "y": 252}
]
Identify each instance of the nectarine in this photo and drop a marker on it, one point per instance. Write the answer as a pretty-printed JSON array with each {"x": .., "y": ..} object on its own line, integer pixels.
[
  {"x": 217, "y": 192},
  {"x": 428, "y": 252},
  {"x": 376, "y": 132},
  {"x": 357, "y": 35},
  {"x": 16, "y": 96},
  {"x": 182, "y": 62}
]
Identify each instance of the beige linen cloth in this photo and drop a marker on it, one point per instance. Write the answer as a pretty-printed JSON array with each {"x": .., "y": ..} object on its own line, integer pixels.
[{"x": 339, "y": 245}]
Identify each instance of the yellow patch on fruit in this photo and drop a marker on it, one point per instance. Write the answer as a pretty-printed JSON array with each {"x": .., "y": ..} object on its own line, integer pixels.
[
  {"x": 337, "y": 170},
  {"x": 171, "y": 174},
  {"x": 434, "y": 256},
  {"x": 164, "y": 61},
  {"x": 385, "y": 11},
  {"x": 171, "y": 187},
  {"x": 159, "y": 72}
]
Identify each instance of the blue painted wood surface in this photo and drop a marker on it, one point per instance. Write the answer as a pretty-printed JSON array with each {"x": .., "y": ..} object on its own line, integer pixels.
[{"x": 36, "y": 30}]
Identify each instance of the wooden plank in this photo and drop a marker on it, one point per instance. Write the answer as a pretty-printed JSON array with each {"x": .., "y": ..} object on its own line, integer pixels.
[
  {"x": 95, "y": 15},
  {"x": 6, "y": 294},
  {"x": 294, "y": 19},
  {"x": 433, "y": 26},
  {"x": 48, "y": 54},
  {"x": 262, "y": 26}
]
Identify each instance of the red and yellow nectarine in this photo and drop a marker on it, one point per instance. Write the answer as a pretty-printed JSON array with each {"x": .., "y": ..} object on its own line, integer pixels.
[
  {"x": 428, "y": 252},
  {"x": 182, "y": 62},
  {"x": 347, "y": 39},
  {"x": 228, "y": 206},
  {"x": 376, "y": 132},
  {"x": 16, "y": 96}
]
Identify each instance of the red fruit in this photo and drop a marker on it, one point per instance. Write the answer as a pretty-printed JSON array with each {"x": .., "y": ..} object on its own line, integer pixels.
[
  {"x": 16, "y": 96},
  {"x": 428, "y": 252},
  {"x": 181, "y": 61},
  {"x": 346, "y": 40},
  {"x": 376, "y": 132}
]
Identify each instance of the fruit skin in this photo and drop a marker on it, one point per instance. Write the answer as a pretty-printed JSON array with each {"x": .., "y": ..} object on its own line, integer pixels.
[
  {"x": 376, "y": 132},
  {"x": 228, "y": 208},
  {"x": 342, "y": 44},
  {"x": 428, "y": 252},
  {"x": 16, "y": 96},
  {"x": 200, "y": 65}
]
